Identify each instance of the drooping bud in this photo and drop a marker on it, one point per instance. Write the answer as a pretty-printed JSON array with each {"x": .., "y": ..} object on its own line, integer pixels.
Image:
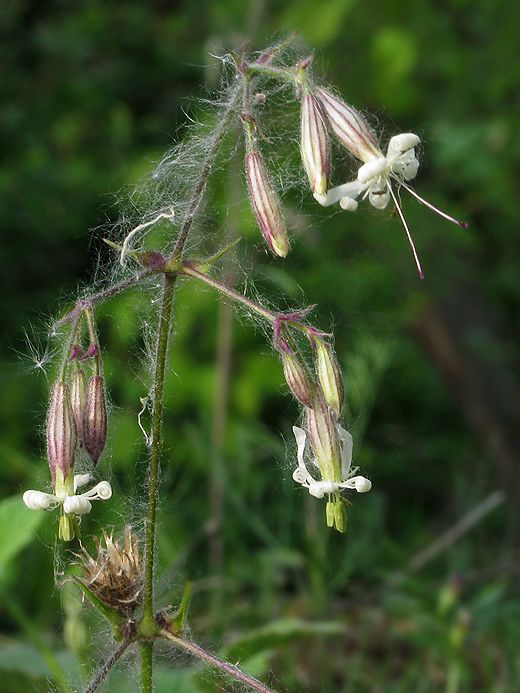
[
  {"x": 94, "y": 428},
  {"x": 315, "y": 145},
  {"x": 78, "y": 396},
  {"x": 296, "y": 378},
  {"x": 61, "y": 433},
  {"x": 266, "y": 204},
  {"x": 330, "y": 377},
  {"x": 349, "y": 126}
]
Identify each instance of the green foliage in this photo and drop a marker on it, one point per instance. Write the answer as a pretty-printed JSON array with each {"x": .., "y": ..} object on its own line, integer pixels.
[{"x": 93, "y": 92}]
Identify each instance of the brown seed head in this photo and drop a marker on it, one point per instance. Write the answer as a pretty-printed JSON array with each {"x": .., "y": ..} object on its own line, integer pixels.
[{"x": 115, "y": 576}]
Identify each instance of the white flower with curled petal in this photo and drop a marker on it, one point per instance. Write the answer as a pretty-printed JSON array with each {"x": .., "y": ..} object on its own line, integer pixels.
[
  {"x": 72, "y": 504},
  {"x": 374, "y": 180},
  {"x": 319, "y": 488}
]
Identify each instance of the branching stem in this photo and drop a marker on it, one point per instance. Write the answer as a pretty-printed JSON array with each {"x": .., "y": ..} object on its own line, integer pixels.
[
  {"x": 102, "y": 673},
  {"x": 225, "y": 667}
]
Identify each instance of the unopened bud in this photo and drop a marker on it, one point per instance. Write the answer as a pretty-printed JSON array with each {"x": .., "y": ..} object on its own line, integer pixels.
[
  {"x": 95, "y": 418},
  {"x": 349, "y": 126},
  {"x": 78, "y": 396},
  {"x": 315, "y": 145},
  {"x": 61, "y": 432},
  {"x": 324, "y": 439},
  {"x": 296, "y": 378},
  {"x": 266, "y": 205},
  {"x": 330, "y": 377}
]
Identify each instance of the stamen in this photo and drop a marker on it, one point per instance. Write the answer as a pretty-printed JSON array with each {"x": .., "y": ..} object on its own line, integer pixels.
[
  {"x": 434, "y": 209},
  {"x": 403, "y": 220}
]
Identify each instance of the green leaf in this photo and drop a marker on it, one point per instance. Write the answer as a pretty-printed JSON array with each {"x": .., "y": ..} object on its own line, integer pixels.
[{"x": 18, "y": 526}]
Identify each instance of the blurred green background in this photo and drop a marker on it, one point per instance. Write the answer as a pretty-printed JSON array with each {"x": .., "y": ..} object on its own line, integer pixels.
[{"x": 92, "y": 93}]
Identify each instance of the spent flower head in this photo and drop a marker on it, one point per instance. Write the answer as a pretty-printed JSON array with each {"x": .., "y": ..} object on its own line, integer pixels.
[{"x": 115, "y": 575}]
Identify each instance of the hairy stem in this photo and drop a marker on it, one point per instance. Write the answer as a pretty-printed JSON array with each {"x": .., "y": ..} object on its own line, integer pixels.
[
  {"x": 102, "y": 673},
  {"x": 226, "y": 668},
  {"x": 231, "y": 293},
  {"x": 147, "y": 627},
  {"x": 146, "y": 653},
  {"x": 218, "y": 136}
]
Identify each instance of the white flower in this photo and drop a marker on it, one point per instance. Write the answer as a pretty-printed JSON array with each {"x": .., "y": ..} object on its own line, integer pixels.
[
  {"x": 374, "y": 180},
  {"x": 327, "y": 486},
  {"x": 72, "y": 505}
]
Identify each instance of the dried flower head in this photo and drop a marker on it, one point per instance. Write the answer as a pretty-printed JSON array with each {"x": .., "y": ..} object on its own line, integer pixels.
[{"x": 114, "y": 576}]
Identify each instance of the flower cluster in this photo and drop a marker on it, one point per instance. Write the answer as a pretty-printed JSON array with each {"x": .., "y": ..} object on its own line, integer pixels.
[
  {"x": 378, "y": 171},
  {"x": 324, "y": 448},
  {"x": 77, "y": 419}
]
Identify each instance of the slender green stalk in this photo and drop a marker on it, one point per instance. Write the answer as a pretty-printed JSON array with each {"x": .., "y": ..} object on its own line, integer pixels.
[
  {"x": 226, "y": 668},
  {"x": 226, "y": 291},
  {"x": 146, "y": 653},
  {"x": 148, "y": 627}
]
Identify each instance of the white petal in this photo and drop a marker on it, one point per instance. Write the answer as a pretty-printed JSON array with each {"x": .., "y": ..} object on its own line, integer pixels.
[
  {"x": 379, "y": 198},
  {"x": 102, "y": 491},
  {"x": 37, "y": 500},
  {"x": 372, "y": 169},
  {"x": 319, "y": 488},
  {"x": 302, "y": 476},
  {"x": 346, "y": 445},
  {"x": 402, "y": 143},
  {"x": 80, "y": 480},
  {"x": 350, "y": 189},
  {"x": 362, "y": 485},
  {"x": 77, "y": 505},
  {"x": 301, "y": 438},
  {"x": 348, "y": 204}
]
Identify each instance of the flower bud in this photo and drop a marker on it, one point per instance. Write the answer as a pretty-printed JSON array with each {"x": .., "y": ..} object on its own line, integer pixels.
[
  {"x": 296, "y": 378},
  {"x": 95, "y": 418},
  {"x": 330, "y": 377},
  {"x": 266, "y": 205},
  {"x": 78, "y": 396},
  {"x": 315, "y": 145},
  {"x": 349, "y": 126},
  {"x": 324, "y": 439},
  {"x": 61, "y": 433}
]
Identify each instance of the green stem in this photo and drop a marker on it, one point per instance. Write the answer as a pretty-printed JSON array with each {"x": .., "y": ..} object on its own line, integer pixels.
[
  {"x": 146, "y": 650},
  {"x": 148, "y": 627},
  {"x": 226, "y": 668},
  {"x": 207, "y": 166},
  {"x": 226, "y": 291}
]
